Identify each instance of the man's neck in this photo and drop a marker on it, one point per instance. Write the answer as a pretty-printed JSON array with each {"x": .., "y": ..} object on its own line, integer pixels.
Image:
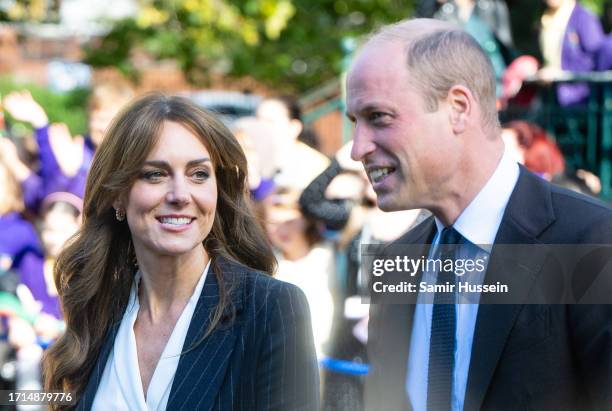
[{"x": 468, "y": 183}]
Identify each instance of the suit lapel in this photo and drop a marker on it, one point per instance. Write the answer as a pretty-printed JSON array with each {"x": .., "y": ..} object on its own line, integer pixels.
[
  {"x": 528, "y": 213},
  {"x": 87, "y": 398},
  {"x": 205, "y": 362},
  {"x": 203, "y": 365}
]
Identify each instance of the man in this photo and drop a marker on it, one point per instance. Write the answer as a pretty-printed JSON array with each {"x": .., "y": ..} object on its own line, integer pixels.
[{"x": 421, "y": 94}]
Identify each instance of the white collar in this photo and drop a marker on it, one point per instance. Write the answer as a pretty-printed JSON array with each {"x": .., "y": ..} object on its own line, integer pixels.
[
  {"x": 120, "y": 385},
  {"x": 481, "y": 219}
]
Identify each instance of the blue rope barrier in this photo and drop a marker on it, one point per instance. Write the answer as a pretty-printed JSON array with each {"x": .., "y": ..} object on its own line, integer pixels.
[{"x": 344, "y": 367}]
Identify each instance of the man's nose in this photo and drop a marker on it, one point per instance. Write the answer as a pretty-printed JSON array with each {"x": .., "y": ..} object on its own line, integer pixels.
[
  {"x": 178, "y": 192},
  {"x": 362, "y": 143}
]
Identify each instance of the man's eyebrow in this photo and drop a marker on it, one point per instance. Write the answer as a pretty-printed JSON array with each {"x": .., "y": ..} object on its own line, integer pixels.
[
  {"x": 164, "y": 164},
  {"x": 368, "y": 108}
]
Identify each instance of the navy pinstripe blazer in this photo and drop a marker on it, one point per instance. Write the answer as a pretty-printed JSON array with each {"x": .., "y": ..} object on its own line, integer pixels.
[{"x": 263, "y": 360}]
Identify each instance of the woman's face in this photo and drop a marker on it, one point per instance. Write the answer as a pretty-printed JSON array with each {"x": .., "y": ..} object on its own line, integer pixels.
[{"x": 171, "y": 207}]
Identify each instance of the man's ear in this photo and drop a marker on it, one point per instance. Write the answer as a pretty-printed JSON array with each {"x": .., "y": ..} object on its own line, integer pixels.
[{"x": 461, "y": 107}]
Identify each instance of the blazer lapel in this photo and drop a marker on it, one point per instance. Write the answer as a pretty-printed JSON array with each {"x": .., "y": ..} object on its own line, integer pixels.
[
  {"x": 86, "y": 400},
  {"x": 528, "y": 213},
  {"x": 203, "y": 365}
]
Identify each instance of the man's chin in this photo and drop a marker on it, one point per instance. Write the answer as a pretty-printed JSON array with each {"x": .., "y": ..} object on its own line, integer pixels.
[{"x": 389, "y": 203}]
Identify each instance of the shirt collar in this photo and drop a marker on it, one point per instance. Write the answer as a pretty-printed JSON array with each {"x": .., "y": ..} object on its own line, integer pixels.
[{"x": 481, "y": 219}]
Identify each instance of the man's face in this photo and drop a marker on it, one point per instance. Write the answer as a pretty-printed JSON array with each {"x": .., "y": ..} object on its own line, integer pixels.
[{"x": 408, "y": 152}]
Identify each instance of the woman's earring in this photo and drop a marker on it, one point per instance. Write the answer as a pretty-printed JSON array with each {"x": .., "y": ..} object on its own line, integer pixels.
[{"x": 119, "y": 214}]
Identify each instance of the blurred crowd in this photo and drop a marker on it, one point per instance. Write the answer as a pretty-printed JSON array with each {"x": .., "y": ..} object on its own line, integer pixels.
[
  {"x": 317, "y": 211},
  {"x": 571, "y": 40}
]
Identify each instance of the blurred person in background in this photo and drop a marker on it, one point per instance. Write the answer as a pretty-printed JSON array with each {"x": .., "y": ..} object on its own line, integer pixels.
[
  {"x": 570, "y": 40},
  {"x": 166, "y": 289},
  {"x": 532, "y": 146},
  {"x": 64, "y": 159},
  {"x": 30, "y": 307},
  {"x": 604, "y": 59},
  {"x": 17, "y": 235},
  {"x": 258, "y": 143},
  {"x": 304, "y": 259},
  {"x": 488, "y": 21},
  {"x": 39, "y": 320},
  {"x": 342, "y": 199},
  {"x": 493, "y": 13},
  {"x": 296, "y": 163},
  {"x": 60, "y": 219}
]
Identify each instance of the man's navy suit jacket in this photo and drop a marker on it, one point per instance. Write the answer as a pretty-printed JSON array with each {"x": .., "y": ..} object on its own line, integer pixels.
[
  {"x": 262, "y": 360},
  {"x": 524, "y": 356}
]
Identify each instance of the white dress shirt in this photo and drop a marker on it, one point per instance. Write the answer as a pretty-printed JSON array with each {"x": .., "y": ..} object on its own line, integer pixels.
[
  {"x": 478, "y": 224},
  {"x": 120, "y": 387}
]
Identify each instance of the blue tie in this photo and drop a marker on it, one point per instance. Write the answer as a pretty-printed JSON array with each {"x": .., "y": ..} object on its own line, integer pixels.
[{"x": 443, "y": 324}]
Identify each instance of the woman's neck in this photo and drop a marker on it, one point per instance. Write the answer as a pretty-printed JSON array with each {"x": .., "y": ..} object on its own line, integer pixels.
[{"x": 168, "y": 282}]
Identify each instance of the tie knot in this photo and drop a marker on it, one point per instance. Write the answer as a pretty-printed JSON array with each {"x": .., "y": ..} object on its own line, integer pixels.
[{"x": 450, "y": 236}]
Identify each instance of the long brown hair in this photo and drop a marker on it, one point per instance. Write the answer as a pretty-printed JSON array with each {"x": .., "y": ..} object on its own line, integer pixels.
[{"x": 94, "y": 273}]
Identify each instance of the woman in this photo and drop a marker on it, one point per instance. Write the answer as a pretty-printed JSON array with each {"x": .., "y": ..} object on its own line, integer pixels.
[{"x": 163, "y": 305}]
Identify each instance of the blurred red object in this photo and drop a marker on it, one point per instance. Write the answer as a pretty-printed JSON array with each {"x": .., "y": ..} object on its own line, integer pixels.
[
  {"x": 512, "y": 80},
  {"x": 540, "y": 152}
]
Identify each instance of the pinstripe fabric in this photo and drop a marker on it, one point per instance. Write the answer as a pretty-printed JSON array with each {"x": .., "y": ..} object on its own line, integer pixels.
[{"x": 263, "y": 360}]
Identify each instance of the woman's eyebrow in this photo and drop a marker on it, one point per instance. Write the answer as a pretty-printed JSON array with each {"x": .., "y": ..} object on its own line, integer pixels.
[{"x": 165, "y": 164}]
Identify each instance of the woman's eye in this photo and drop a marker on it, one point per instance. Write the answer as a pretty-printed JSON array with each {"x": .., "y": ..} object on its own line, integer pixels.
[
  {"x": 201, "y": 174},
  {"x": 152, "y": 175}
]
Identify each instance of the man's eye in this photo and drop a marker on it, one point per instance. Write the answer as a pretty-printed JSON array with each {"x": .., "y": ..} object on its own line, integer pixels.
[{"x": 377, "y": 116}]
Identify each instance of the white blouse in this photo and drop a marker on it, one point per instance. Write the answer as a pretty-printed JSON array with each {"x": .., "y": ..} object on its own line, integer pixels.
[{"x": 121, "y": 386}]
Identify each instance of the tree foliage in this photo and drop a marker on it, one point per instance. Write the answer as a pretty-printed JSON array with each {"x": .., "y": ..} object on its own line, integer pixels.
[{"x": 291, "y": 45}]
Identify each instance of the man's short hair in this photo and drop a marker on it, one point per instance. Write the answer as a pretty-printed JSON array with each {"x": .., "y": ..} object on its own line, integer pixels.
[{"x": 440, "y": 55}]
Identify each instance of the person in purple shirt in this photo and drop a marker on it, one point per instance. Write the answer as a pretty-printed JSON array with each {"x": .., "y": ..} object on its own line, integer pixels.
[
  {"x": 604, "y": 60},
  {"x": 17, "y": 235},
  {"x": 61, "y": 218},
  {"x": 570, "y": 40},
  {"x": 64, "y": 160}
]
